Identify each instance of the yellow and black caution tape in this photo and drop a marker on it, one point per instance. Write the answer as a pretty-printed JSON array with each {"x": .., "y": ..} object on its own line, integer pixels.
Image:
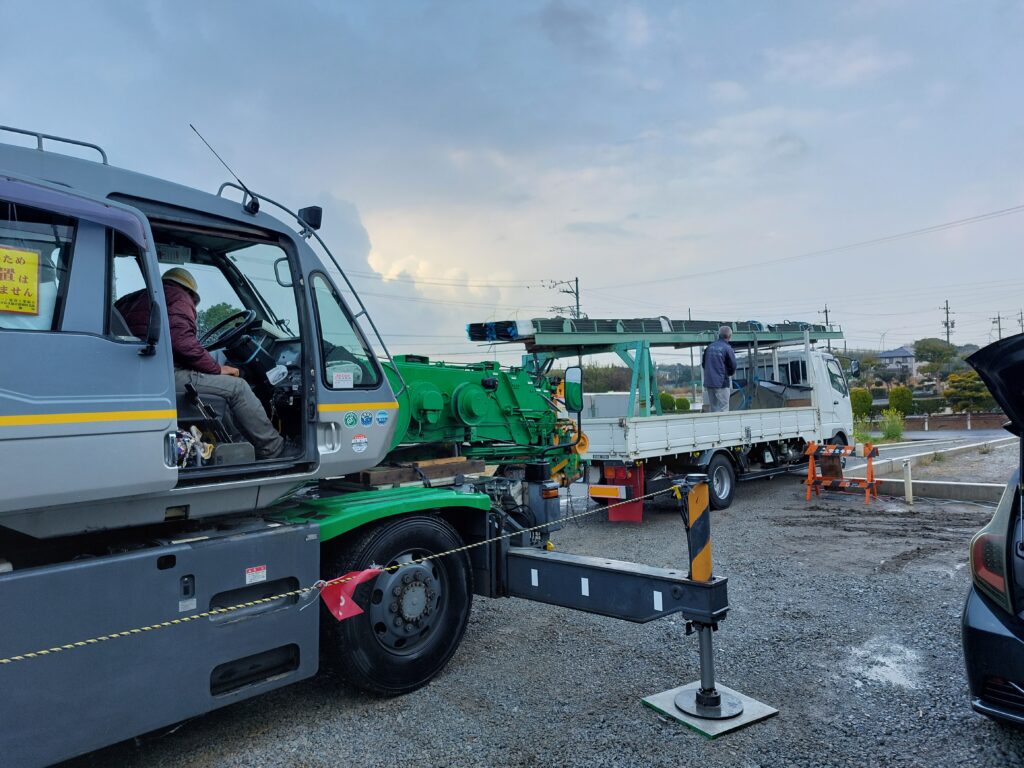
[{"x": 301, "y": 591}]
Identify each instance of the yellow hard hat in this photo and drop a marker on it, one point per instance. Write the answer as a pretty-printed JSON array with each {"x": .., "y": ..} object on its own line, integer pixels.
[{"x": 183, "y": 278}]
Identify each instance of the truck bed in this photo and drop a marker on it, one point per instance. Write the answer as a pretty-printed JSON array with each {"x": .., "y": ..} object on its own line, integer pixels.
[{"x": 645, "y": 437}]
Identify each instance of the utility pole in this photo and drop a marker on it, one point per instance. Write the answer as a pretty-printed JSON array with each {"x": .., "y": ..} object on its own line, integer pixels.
[
  {"x": 825, "y": 313},
  {"x": 1020, "y": 320},
  {"x": 693, "y": 376},
  {"x": 947, "y": 323},
  {"x": 997, "y": 321},
  {"x": 571, "y": 288}
]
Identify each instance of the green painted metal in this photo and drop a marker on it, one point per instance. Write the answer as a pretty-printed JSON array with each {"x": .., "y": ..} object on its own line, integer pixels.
[
  {"x": 346, "y": 512},
  {"x": 565, "y": 337},
  {"x": 489, "y": 411}
]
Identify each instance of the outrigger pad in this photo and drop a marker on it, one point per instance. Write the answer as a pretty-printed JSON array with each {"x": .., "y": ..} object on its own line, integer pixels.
[{"x": 753, "y": 711}]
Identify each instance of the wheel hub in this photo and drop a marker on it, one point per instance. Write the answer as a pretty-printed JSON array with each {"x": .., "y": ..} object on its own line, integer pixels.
[{"x": 404, "y": 604}]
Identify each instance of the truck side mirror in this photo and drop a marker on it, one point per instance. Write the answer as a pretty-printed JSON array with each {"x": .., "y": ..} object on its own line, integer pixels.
[
  {"x": 152, "y": 330},
  {"x": 854, "y": 368},
  {"x": 574, "y": 389},
  {"x": 311, "y": 216}
]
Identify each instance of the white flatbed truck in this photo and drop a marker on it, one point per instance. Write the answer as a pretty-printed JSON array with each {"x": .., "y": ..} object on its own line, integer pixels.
[{"x": 786, "y": 394}]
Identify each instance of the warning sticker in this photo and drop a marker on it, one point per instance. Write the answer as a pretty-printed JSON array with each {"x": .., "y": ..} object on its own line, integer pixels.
[
  {"x": 342, "y": 380},
  {"x": 19, "y": 280},
  {"x": 351, "y": 419},
  {"x": 359, "y": 443},
  {"x": 382, "y": 417},
  {"x": 256, "y": 574}
]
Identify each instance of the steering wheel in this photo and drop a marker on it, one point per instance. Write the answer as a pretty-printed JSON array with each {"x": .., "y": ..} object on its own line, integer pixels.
[{"x": 246, "y": 319}]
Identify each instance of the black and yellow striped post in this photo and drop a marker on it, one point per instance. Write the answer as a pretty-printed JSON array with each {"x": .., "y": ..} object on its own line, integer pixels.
[{"x": 703, "y": 701}]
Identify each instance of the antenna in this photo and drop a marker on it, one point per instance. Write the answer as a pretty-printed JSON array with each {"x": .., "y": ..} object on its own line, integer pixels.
[{"x": 250, "y": 203}]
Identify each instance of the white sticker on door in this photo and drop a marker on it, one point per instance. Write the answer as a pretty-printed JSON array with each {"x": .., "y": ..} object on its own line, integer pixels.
[
  {"x": 256, "y": 574},
  {"x": 342, "y": 380}
]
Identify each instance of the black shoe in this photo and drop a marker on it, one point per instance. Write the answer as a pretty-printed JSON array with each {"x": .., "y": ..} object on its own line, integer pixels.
[{"x": 290, "y": 450}]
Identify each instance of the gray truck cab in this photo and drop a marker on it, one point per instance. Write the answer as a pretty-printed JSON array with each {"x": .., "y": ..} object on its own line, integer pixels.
[{"x": 93, "y": 432}]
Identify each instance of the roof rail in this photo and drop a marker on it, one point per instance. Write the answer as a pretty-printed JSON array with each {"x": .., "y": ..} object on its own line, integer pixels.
[{"x": 40, "y": 136}]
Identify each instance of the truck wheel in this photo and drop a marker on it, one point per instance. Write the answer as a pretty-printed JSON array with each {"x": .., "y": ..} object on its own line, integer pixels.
[
  {"x": 721, "y": 482},
  {"x": 413, "y": 617}
]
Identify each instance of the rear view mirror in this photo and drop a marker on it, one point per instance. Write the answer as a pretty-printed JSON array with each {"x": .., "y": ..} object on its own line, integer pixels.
[
  {"x": 855, "y": 368},
  {"x": 152, "y": 330},
  {"x": 574, "y": 389},
  {"x": 282, "y": 273},
  {"x": 312, "y": 216}
]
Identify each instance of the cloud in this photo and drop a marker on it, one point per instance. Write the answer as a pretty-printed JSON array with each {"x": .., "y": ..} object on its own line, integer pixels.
[
  {"x": 599, "y": 229},
  {"x": 574, "y": 27},
  {"x": 832, "y": 65},
  {"x": 746, "y": 142},
  {"x": 727, "y": 92}
]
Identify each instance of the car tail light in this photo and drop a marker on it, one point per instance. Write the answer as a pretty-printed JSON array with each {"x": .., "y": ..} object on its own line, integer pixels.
[
  {"x": 549, "y": 493},
  {"x": 988, "y": 566}
]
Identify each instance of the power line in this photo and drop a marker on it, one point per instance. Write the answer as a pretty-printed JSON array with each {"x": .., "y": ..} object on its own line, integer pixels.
[{"x": 838, "y": 249}]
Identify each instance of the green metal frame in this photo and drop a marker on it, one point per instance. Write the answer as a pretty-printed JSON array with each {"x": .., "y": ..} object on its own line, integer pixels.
[{"x": 337, "y": 515}]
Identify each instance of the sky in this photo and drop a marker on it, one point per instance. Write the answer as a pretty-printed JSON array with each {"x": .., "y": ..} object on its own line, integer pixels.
[{"x": 675, "y": 157}]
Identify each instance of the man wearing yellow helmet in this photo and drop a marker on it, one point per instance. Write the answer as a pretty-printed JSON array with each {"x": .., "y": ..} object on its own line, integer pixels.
[{"x": 193, "y": 364}]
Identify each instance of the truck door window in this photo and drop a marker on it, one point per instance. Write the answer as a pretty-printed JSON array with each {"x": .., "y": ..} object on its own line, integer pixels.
[
  {"x": 835, "y": 376},
  {"x": 347, "y": 362},
  {"x": 35, "y": 254}
]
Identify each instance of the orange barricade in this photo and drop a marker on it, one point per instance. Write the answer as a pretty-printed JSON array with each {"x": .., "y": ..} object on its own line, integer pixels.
[{"x": 831, "y": 477}]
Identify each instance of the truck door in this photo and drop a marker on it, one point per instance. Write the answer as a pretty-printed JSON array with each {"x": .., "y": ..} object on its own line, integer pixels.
[
  {"x": 85, "y": 407},
  {"x": 836, "y": 411},
  {"x": 355, "y": 408}
]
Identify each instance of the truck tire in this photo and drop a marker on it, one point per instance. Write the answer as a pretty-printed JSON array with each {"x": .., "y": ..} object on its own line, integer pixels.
[
  {"x": 721, "y": 481},
  {"x": 413, "y": 617}
]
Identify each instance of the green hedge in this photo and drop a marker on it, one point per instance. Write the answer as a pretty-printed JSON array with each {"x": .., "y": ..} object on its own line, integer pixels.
[
  {"x": 901, "y": 399},
  {"x": 860, "y": 400},
  {"x": 668, "y": 403},
  {"x": 683, "y": 404}
]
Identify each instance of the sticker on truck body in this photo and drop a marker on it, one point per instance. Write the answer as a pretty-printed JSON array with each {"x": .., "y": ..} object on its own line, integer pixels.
[{"x": 255, "y": 574}]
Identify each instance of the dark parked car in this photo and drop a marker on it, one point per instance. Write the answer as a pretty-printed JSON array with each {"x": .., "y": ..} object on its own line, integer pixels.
[{"x": 993, "y": 621}]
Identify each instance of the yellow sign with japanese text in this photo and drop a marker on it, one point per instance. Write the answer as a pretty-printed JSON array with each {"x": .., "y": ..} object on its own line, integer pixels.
[{"x": 19, "y": 280}]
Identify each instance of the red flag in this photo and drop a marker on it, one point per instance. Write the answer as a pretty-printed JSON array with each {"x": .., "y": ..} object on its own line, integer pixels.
[{"x": 338, "y": 596}]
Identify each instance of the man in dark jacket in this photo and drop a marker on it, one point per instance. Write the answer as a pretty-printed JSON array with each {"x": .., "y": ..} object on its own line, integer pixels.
[
  {"x": 193, "y": 364},
  {"x": 719, "y": 364}
]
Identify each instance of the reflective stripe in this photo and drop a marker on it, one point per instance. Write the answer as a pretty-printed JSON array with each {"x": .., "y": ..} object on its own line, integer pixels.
[
  {"x": 607, "y": 491},
  {"x": 84, "y": 418},
  {"x": 327, "y": 407}
]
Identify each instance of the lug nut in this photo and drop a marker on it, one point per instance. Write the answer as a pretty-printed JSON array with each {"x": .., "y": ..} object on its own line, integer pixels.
[
  {"x": 396, "y": 591},
  {"x": 409, "y": 628},
  {"x": 393, "y": 607},
  {"x": 398, "y": 621},
  {"x": 406, "y": 579}
]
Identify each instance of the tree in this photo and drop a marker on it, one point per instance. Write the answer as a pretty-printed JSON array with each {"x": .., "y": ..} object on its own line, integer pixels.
[
  {"x": 668, "y": 403},
  {"x": 606, "y": 378},
  {"x": 860, "y": 401},
  {"x": 932, "y": 350},
  {"x": 901, "y": 399},
  {"x": 209, "y": 317},
  {"x": 967, "y": 392}
]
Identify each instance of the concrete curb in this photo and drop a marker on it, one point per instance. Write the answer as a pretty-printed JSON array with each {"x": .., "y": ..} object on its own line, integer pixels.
[{"x": 989, "y": 493}]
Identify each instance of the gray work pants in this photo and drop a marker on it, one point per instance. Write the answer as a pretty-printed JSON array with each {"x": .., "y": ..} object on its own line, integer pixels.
[
  {"x": 246, "y": 409},
  {"x": 718, "y": 398}
]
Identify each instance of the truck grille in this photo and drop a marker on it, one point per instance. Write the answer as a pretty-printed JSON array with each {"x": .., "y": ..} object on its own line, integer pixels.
[{"x": 1003, "y": 693}]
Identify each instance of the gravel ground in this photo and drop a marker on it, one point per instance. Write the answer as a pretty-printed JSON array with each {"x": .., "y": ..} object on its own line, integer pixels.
[{"x": 845, "y": 618}]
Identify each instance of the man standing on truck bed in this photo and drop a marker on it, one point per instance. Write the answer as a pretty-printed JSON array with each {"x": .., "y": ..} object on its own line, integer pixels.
[
  {"x": 719, "y": 365},
  {"x": 193, "y": 364}
]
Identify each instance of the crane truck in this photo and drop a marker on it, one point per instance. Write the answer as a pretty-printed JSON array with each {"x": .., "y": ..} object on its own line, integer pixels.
[{"x": 152, "y": 569}]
